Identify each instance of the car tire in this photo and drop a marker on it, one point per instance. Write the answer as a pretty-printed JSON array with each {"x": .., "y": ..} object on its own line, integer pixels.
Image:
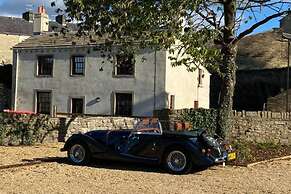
[
  {"x": 79, "y": 153},
  {"x": 177, "y": 161}
]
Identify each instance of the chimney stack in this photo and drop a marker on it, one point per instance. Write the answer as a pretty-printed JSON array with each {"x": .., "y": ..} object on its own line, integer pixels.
[
  {"x": 60, "y": 19},
  {"x": 285, "y": 23},
  {"x": 28, "y": 16},
  {"x": 41, "y": 21}
]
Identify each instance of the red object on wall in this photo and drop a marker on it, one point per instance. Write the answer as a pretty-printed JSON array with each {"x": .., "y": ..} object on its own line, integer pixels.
[
  {"x": 196, "y": 104},
  {"x": 19, "y": 112},
  {"x": 178, "y": 126}
]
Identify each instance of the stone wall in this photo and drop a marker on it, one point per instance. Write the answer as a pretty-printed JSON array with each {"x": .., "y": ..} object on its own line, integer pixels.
[
  {"x": 71, "y": 125},
  {"x": 260, "y": 127}
]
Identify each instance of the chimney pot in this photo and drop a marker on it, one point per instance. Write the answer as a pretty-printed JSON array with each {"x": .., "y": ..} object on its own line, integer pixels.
[
  {"x": 41, "y": 10},
  {"x": 41, "y": 21}
]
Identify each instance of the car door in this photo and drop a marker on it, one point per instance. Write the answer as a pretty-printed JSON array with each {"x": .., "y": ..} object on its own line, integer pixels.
[{"x": 144, "y": 145}]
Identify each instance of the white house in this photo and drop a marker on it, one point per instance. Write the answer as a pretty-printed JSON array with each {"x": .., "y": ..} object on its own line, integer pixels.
[{"x": 70, "y": 74}]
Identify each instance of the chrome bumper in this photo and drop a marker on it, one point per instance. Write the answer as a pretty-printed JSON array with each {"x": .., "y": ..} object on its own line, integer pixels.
[{"x": 221, "y": 159}]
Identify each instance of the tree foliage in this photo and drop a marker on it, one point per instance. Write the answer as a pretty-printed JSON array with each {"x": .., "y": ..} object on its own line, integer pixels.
[{"x": 208, "y": 31}]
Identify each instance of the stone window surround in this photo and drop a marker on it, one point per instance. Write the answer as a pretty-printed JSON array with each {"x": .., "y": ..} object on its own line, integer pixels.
[
  {"x": 35, "y": 99},
  {"x": 114, "y": 72},
  {"x": 36, "y": 66},
  {"x": 70, "y": 106},
  {"x": 113, "y": 100},
  {"x": 71, "y": 65}
]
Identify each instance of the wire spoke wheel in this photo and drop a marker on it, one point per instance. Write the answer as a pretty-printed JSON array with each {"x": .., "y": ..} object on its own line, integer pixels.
[
  {"x": 176, "y": 161},
  {"x": 77, "y": 153}
]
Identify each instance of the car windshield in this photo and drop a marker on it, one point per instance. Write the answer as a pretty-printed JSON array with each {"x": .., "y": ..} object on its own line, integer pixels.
[{"x": 147, "y": 125}]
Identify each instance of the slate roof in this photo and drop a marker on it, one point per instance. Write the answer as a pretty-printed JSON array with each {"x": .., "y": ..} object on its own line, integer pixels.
[
  {"x": 11, "y": 25},
  {"x": 19, "y": 26},
  {"x": 265, "y": 50},
  {"x": 57, "y": 40}
]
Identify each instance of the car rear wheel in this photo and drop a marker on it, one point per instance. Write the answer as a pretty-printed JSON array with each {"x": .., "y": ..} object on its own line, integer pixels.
[
  {"x": 78, "y": 154},
  {"x": 177, "y": 161}
]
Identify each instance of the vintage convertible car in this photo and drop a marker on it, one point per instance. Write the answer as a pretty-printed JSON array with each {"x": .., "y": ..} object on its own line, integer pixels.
[{"x": 148, "y": 143}]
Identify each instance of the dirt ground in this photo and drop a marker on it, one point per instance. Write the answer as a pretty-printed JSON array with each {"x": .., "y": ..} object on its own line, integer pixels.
[{"x": 44, "y": 169}]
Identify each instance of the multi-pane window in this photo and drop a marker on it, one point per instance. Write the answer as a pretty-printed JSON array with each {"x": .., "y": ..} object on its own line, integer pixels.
[
  {"x": 43, "y": 105},
  {"x": 77, "y": 105},
  {"x": 123, "y": 104},
  {"x": 124, "y": 65},
  {"x": 45, "y": 65},
  {"x": 78, "y": 65}
]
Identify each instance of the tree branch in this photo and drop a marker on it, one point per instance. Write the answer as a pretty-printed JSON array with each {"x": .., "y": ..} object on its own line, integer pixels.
[
  {"x": 258, "y": 24},
  {"x": 207, "y": 19}
]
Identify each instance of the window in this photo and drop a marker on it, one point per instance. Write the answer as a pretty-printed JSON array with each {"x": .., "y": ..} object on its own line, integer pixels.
[
  {"x": 45, "y": 65},
  {"x": 200, "y": 77},
  {"x": 78, "y": 65},
  {"x": 43, "y": 102},
  {"x": 77, "y": 105},
  {"x": 124, "y": 65},
  {"x": 172, "y": 102},
  {"x": 123, "y": 104}
]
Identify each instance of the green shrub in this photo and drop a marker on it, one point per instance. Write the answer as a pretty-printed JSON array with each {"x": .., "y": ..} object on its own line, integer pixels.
[
  {"x": 243, "y": 150},
  {"x": 24, "y": 129},
  {"x": 268, "y": 145},
  {"x": 202, "y": 118}
]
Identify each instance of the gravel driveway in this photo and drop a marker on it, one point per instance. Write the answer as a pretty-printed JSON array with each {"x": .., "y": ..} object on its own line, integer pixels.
[{"x": 43, "y": 169}]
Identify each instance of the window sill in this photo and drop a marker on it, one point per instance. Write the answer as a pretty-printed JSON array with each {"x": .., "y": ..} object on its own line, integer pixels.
[
  {"x": 44, "y": 76},
  {"x": 123, "y": 76},
  {"x": 76, "y": 75}
]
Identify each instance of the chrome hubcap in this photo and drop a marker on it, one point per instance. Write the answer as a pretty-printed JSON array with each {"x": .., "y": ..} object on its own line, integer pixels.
[
  {"x": 176, "y": 161},
  {"x": 77, "y": 153}
]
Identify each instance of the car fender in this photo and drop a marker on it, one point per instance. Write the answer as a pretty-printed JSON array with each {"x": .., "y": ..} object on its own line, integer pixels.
[
  {"x": 93, "y": 145},
  {"x": 193, "y": 150}
]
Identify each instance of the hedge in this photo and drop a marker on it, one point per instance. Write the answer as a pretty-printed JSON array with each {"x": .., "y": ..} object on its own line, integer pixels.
[
  {"x": 24, "y": 129},
  {"x": 202, "y": 118}
]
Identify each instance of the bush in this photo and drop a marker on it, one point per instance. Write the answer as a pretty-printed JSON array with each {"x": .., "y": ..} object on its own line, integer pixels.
[
  {"x": 24, "y": 129},
  {"x": 202, "y": 119},
  {"x": 243, "y": 150}
]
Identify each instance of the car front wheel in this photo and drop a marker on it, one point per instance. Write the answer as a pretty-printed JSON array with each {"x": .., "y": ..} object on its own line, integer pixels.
[
  {"x": 177, "y": 161},
  {"x": 78, "y": 154}
]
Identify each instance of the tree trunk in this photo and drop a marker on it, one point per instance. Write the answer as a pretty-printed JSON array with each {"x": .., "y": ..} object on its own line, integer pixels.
[{"x": 228, "y": 71}]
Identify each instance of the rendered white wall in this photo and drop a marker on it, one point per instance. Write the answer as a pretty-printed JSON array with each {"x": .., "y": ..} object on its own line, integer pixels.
[
  {"x": 184, "y": 85},
  {"x": 94, "y": 84}
]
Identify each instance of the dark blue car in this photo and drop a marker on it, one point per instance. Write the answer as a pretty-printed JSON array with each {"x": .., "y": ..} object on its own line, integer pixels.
[{"x": 147, "y": 143}]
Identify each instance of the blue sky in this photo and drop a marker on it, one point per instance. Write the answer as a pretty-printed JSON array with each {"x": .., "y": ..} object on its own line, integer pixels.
[{"x": 17, "y": 7}]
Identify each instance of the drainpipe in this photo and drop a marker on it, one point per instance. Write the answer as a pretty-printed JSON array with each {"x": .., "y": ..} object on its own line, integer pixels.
[
  {"x": 155, "y": 76},
  {"x": 288, "y": 74},
  {"x": 14, "y": 80}
]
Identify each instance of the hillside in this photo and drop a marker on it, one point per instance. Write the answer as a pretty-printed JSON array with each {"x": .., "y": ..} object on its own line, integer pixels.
[{"x": 265, "y": 50}]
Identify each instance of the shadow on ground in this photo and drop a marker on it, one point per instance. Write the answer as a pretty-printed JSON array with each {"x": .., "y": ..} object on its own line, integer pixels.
[{"x": 112, "y": 165}]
